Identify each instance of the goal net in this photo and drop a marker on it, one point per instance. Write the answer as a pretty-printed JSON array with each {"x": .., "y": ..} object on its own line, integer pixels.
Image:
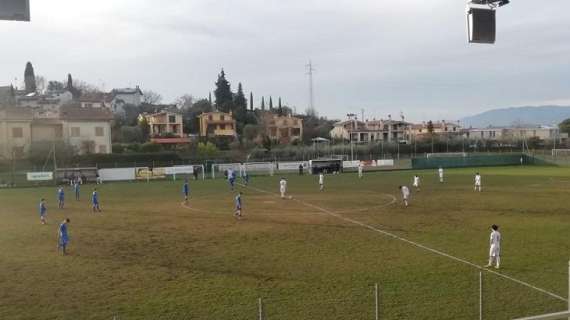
[{"x": 261, "y": 168}]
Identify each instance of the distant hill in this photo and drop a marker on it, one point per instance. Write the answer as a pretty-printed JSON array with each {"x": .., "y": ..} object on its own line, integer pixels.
[{"x": 541, "y": 115}]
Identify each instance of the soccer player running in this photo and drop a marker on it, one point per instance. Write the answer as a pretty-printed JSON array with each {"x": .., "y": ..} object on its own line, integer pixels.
[
  {"x": 416, "y": 183},
  {"x": 283, "y": 187},
  {"x": 494, "y": 247},
  {"x": 60, "y": 197},
  {"x": 186, "y": 190},
  {"x": 360, "y": 169},
  {"x": 237, "y": 212},
  {"x": 43, "y": 211},
  {"x": 76, "y": 188},
  {"x": 321, "y": 181},
  {"x": 63, "y": 237},
  {"x": 232, "y": 178},
  {"x": 440, "y": 172},
  {"x": 477, "y": 182},
  {"x": 95, "y": 201},
  {"x": 405, "y": 194}
]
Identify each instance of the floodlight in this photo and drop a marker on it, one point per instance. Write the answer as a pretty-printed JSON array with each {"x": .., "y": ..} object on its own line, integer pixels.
[
  {"x": 481, "y": 24},
  {"x": 481, "y": 20},
  {"x": 16, "y": 10}
]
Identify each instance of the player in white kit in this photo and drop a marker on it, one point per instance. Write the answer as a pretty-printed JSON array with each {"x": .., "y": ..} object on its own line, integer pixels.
[
  {"x": 360, "y": 169},
  {"x": 405, "y": 194},
  {"x": 440, "y": 172},
  {"x": 321, "y": 181},
  {"x": 494, "y": 247},
  {"x": 477, "y": 182},
  {"x": 283, "y": 187},
  {"x": 416, "y": 183}
]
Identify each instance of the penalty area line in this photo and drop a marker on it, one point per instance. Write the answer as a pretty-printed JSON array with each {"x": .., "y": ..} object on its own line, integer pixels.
[{"x": 418, "y": 245}]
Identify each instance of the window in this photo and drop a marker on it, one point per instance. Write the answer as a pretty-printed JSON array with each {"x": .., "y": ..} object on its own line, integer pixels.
[
  {"x": 222, "y": 118},
  {"x": 210, "y": 117},
  {"x": 172, "y": 119},
  {"x": 296, "y": 132},
  {"x": 230, "y": 126},
  {"x": 75, "y": 132},
  {"x": 102, "y": 149},
  {"x": 88, "y": 105},
  {"x": 223, "y": 127},
  {"x": 17, "y": 132},
  {"x": 99, "y": 131}
]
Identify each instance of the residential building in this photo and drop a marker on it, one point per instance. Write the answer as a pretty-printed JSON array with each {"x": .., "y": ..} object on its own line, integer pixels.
[
  {"x": 164, "y": 124},
  {"x": 95, "y": 100},
  {"x": 217, "y": 124},
  {"x": 372, "y": 130},
  {"x": 7, "y": 95},
  {"x": 442, "y": 128},
  {"x": 515, "y": 134},
  {"x": 86, "y": 129},
  {"x": 283, "y": 129},
  {"x": 125, "y": 96}
]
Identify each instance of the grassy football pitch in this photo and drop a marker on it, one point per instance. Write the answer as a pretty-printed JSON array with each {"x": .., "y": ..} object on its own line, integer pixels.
[{"x": 316, "y": 256}]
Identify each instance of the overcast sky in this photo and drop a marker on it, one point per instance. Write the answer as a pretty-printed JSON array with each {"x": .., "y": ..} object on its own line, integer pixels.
[{"x": 381, "y": 56}]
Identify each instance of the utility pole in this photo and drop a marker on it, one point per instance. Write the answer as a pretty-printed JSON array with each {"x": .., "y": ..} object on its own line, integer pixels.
[{"x": 310, "y": 69}]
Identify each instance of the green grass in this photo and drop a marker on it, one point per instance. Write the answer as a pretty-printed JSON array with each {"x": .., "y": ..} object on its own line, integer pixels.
[{"x": 148, "y": 257}]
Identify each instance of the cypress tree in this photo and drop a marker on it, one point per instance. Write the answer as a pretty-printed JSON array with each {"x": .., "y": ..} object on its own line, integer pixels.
[
  {"x": 262, "y": 103},
  {"x": 29, "y": 78},
  {"x": 223, "y": 93},
  {"x": 280, "y": 107},
  {"x": 270, "y": 103}
]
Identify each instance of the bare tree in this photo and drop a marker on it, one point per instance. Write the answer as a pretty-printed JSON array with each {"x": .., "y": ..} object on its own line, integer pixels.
[
  {"x": 151, "y": 97},
  {"x": 185, "y": 102}
]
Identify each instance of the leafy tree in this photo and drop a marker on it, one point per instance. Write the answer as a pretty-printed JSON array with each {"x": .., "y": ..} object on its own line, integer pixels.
[
  {"x": 55, "y": 86},
  {"x": 564, "y": 126},
  {"x": 223, "y": 93},
  {"x": 40, "y": 150},
  {"x": 190, "y": 115},
  {"x": 151, "y": 97},
  {"x": 69, "y": 84},
  {"x": 280, "y": 108},
  {"x": 430, "y": 127},
  {"x": 131, "y": 134},
  {"x": 145, "y": 129},
  {"x": 240, "y": 105},
  {"x": 207, "y": 150},
  {"x": 251, "y": 132},
  {"x": 151, "y": 147},
  {"x": 267, "y": 143},
  {"x": 29, "y": 78}
]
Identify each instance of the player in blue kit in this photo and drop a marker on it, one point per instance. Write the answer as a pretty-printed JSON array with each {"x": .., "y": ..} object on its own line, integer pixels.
[
  {"x": 237, "y": 213},
  {"x": 43, "y": 211},
  {"x": 186, "y": 190},
  {"x": 63, "y": 237},
  {"x": 60, "y": 198},
  {"x": 95, "y": 201}
]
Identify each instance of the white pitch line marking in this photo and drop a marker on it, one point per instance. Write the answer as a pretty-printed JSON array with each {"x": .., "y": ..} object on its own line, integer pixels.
[{"x": 418, "y": 245}]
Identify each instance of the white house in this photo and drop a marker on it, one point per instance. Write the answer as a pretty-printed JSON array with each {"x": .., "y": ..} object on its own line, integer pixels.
[{"x": 125, "y": 96}]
